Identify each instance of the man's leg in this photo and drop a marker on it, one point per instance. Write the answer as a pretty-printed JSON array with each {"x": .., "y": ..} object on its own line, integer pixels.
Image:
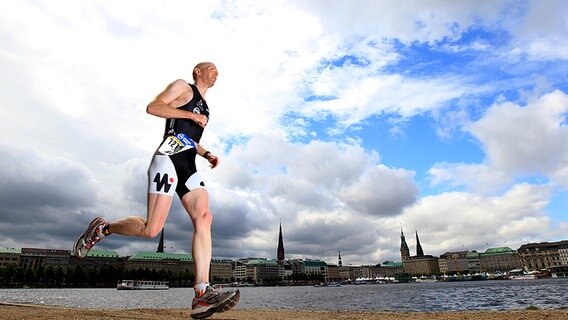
[
  {"x": 196, "y": 203},
  {"x": 158, "y": 209},
  {"x": 208, "y": 300}
]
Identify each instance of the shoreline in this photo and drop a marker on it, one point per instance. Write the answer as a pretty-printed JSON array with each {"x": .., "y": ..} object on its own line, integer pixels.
[{"x": 39, "y": 312}]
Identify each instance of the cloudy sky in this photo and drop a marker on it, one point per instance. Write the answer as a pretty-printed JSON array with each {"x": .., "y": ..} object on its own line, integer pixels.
[{"x": 343, "y": 120}]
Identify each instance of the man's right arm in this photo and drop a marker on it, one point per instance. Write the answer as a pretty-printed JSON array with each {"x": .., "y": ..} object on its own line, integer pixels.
[{"x": 161, "y": 105}]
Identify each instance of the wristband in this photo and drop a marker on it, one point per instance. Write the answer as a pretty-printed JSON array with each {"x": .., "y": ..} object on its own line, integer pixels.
[{"x": 206, "y": 154}]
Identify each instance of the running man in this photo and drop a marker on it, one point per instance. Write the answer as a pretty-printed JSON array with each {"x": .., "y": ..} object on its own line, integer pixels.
[{"x": 172, "y": 169}]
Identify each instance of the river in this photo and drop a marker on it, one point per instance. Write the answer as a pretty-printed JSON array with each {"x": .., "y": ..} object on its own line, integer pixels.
[{"x": 437, "y": 296}]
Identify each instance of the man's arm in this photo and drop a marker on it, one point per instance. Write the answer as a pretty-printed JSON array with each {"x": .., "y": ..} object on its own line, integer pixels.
[
  {"x": 213, "y": 160},
  {"x": 163, "y": 105}
]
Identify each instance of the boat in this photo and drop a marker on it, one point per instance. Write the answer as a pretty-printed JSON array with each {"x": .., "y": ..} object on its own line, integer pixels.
[
  {"x": 528, "y": 276},
  {"x": 424, "y": 279},
  {"x": 142, "y": 285}
]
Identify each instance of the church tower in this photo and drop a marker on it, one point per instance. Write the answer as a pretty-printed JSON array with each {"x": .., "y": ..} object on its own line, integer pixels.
[
  {"x": 339, "y": 263},
  {"x": 280, "y": 251},
  {"x": 419, "y": 251},
  {"x": 161, "y": 243},
  {"x": 404, "y": 251}
]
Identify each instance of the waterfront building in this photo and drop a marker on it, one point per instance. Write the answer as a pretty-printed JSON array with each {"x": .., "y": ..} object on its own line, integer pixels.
[
  {"x": 240, "y": 271},
  {"x": 316, "y": 267},
  {"x": 97, "y": 258},
  {"x": 501, "y": 259},
  {"x": 221, "y": 270},
  {"x": 333, "y": 272},
  {"x": 260, "y": 270},
  {"x": 473, "y": 263},
  {"x": 543, "y": 255},
  {"x": 174, "y": 262},
  {"x": 420, "y": 264},
  {"x": 350, "y": 272},
  {"x": 10, "y": 257},
  {"x": 390, "y": 268},
  {"x": 33, "y": 258},
  {"x": 424, "y": 265},
  {"x": 563, "y": 252},
  {"x": 370, "y": 271},
  {"x": 454, "y": 262}
]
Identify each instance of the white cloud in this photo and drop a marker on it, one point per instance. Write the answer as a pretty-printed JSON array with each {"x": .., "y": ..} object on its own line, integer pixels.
[
  {"x": 448, "y": 221},
  {"x": 77, "y": 77},
  {"x": 518, "y": 141}
]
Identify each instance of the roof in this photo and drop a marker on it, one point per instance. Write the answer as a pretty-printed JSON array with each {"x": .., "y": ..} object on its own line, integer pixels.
[
  {"x": 265, "y": 262},
  {"x": 102, "y": 253},
  {"x": 144, "y": 255},
  {"x": 11, "y": 250},
  {"x": 315, "y": 263},
  {"x": 499, "y": 250},
  {"x": 391, "y": 264}
]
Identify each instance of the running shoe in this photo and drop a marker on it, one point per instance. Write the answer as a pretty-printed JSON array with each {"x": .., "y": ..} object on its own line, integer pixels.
[
  {"x": 90, "y": 237},
  {"x": 212, "y": 301}
]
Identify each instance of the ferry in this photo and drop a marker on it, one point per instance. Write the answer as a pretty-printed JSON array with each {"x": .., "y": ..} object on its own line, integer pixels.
[{"x": 142, "y": 285}]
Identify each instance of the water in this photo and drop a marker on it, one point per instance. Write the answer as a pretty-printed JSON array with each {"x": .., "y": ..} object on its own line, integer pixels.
[{"x": 438, "y": 296}]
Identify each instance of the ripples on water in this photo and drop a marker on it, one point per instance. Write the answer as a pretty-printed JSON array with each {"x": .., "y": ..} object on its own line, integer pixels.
[{"x": 438, "y": 296}]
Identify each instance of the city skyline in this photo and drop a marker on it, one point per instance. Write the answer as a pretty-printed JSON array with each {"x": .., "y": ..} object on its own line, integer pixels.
[{"x": 342, "y": 121}]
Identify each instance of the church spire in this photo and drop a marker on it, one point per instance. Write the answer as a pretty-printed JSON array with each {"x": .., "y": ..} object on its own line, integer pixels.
[
  {"x": 161, "y": 243},
  {"x": 280, "y": 251},
  {"x": 404, "y": 251},
  {"x": 339, "y": 263},
  {"x": 419, "y": 251}
]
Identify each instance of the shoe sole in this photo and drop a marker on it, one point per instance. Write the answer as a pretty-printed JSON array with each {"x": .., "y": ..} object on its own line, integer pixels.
[{"x": 222, "y": 307}]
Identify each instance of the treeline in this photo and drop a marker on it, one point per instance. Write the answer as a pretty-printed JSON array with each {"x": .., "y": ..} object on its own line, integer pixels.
[{"x": 103, "y": 276}]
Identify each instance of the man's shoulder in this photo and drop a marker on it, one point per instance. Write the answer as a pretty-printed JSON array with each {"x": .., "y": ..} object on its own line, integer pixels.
[{"x": 181, "y": 83}]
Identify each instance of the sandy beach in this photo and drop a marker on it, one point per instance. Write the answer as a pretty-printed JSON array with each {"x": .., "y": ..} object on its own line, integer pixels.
[{"x": 36, "y": 312}]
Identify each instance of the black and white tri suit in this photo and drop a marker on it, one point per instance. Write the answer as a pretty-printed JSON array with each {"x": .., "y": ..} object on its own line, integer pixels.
[{"x": 173, "y": 164}]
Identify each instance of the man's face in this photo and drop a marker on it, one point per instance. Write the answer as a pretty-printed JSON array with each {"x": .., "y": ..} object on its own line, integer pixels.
[{"x": 209, "y": 74}]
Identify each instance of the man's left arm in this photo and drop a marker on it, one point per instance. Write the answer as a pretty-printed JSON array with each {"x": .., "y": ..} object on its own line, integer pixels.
[{"x": 213, "y": 159}]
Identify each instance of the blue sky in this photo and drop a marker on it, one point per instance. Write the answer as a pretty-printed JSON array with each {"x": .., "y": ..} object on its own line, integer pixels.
[{"x": 343, "y": 120}]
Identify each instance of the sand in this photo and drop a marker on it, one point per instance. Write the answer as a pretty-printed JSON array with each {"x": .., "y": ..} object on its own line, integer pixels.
[{"x": 31, "y": 312}]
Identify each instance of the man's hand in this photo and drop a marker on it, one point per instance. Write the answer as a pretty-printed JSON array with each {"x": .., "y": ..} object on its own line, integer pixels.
[
  {"x": 200, "y": 119},
  {"x": 213, "y": 160}
]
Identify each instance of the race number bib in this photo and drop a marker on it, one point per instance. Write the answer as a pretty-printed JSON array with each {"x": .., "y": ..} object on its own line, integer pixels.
[{"x": 175, "y": 144}]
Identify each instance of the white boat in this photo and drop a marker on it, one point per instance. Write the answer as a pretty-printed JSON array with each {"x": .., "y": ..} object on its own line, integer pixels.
[
  {"x": 529, "y": 276},
  {"x": 142, "y": 285}
]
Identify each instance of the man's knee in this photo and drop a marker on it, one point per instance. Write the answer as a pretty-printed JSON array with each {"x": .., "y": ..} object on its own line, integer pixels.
[
  {"x": 150, "y": 232},
  {"x": 203, "y": 218}
]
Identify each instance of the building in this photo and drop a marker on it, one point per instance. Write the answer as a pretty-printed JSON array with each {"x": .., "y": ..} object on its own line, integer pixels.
[
  {"x": 316, "y": 267},
  {"x": 174, "y": 262},
  {"x": 390, "y": 268},
  {"x": 10, "y": 257},
  {"x": 97, "y": 258},
  {"x": 537, "y": 256},
  {"x": 333, "y": 272},
  {"x": 454, "y": 263},
  {"x": 34, "y": 258},
  {"x": 424, "y": 265},
  {"x": 240, "y": 271},
  {"x": 501, "y": 259},
  {"x": 221, "y": 270},
  {"x": 261, "y": 270},
  {"x": 473, "y": 263},
  {"x": 563, "y": 252},
  {"x": 420, "y": 264}
]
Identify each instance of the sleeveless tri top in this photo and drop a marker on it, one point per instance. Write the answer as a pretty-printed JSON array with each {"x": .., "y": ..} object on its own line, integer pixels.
[{"x": 188, "y": 127}]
